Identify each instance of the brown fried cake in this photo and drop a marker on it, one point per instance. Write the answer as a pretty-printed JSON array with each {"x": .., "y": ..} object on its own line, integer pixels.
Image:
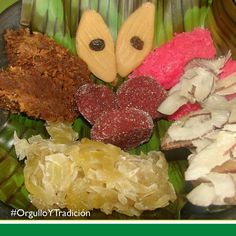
[{"x": 42, "y": 77}]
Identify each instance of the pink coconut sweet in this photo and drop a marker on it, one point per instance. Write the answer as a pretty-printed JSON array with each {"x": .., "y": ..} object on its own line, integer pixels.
[
  {"x": 229, "y": 68},
  {"x": 166, "y": 63}
]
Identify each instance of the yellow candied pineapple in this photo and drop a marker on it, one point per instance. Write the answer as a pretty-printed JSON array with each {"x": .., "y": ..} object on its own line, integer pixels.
[
  {"x": 61, "y": 132},
  {"x": 47, "y": 179},
  {"x": 91, "y": 175}
]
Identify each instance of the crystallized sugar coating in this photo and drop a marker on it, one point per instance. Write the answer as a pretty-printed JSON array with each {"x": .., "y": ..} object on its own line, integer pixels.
[
  {"x": 126, "y": 128},
  {"x": 92, "y": 100},
  {"x": 166, "y": 63},
  {"x": 142, "y": 93}
]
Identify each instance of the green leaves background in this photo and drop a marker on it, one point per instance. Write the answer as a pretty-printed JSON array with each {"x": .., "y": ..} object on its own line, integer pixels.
[{"x": 59, "y": 19}]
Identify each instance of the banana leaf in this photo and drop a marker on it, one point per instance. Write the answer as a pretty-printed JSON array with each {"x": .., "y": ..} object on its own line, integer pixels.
[{"x": 59, "y": 20}]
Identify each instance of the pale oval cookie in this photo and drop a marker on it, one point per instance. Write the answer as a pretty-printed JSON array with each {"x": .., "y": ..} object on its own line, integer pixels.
[
  {"x": 94, "y": 45},
  {"x": 135, "y": 39}
]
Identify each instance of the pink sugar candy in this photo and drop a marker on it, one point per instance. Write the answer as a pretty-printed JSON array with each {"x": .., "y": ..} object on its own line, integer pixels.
[{"x": 166, "y": 63}]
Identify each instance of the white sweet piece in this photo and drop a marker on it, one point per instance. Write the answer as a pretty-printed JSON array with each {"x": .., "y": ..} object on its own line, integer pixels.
[
  {"x": 203, "y": 189},
  {"x": 232, "y": 117},
  {"x": 211, "y": 156},
  {"x": 215, "y": 189},
  {"x": 172, "y": 103},
  {"x": 197, "y": 124},
  {"x": 227, "y": 82},
  {"x": 216, "y": 102},
  {"x": 197, "y": 84}
]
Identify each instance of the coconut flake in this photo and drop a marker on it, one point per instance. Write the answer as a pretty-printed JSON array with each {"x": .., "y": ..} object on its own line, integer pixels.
[
  {"x": 226, "y": 82},
  {"x": 172, "y": 103},
  {"x": 197, "y": 84},
  {"x": 213, "y": 65},
  {"x": 197, "y": 124},
  {"x": 211, "y": 156},
  {"x": 204, "y": 189},
  {"x": 216, "y": 188}
]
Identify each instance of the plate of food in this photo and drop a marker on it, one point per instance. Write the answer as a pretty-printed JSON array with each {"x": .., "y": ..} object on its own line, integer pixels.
[{"x": 118, "y": 109}]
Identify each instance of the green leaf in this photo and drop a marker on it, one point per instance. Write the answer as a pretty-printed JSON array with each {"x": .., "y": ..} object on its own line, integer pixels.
[
  {"x": 176, "y": 175},
  {"x": 221, "y": 23},
  {"x": 12, "y": 189},
  {"x": 5, "y": 4},
  {"x": 82, "y": 127}
]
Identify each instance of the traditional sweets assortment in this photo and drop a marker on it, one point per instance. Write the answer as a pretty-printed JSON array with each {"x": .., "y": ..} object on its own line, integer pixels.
[{"x": 183, "y": 80}]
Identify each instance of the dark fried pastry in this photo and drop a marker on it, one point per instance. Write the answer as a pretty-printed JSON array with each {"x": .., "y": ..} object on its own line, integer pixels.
[{"x": 42, "y": 78}]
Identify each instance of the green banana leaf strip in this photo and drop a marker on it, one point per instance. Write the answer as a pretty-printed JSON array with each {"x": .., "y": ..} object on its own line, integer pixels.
[
  {"x": 5, "y": 4},
  {"x": 12, "y": 189}
]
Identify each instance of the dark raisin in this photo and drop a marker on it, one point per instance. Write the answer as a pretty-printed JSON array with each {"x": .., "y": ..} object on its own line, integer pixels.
[
  {"x": 137, "y": 43},
  {"x": 97, "y": 44}
]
